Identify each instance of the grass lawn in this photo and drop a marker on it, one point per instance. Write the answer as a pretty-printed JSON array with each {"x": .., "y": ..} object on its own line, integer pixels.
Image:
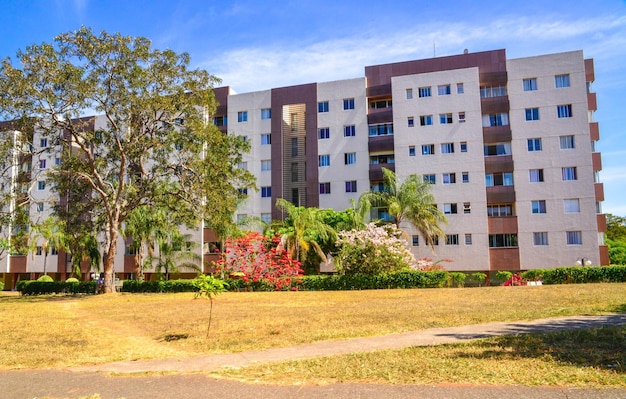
[{"x": 57, "y": 331}]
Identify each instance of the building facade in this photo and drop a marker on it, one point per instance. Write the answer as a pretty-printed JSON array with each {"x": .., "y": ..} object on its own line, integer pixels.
[{"x": 508, "y": 144}]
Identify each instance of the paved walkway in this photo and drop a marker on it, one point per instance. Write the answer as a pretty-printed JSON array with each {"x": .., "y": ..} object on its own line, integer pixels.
[{"x": 83, "y": 381}]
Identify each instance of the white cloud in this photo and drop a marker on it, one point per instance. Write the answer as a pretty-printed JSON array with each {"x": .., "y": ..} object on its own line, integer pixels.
[{"x": 284, "y": 64}]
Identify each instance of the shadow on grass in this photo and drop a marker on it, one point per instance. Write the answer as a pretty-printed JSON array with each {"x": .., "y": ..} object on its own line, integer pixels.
[
  {"x": 619, "y": 308},
  {"x": 16, "y": 298},
  {"x": 601, "y": 348}
]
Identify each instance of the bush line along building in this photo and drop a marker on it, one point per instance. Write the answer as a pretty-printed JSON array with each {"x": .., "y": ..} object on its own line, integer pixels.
[{"x": 509, "y": 145}]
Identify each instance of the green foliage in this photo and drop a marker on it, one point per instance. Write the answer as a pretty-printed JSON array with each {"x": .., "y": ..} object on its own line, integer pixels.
[
  {"x": 478, "y": 277},
  {"x": 72, "y": 280},
  {"x": 580, "y": 275},
  {"x": 617, "y": 252},
  {"x": 532, "y": 275},
  {"x": 503, "y": 276},
  {"x": 400, "y": 279},
  {"x": 209, "y": 286},
  {"x": 457, "y": 279},
  {"x": 46, "y": 278},
  {"x": 1, "y": 285},
  {"x": 34, "y": 287},
  {"x": 137, "y": 286},
  {"x": 615, "y": 227}
]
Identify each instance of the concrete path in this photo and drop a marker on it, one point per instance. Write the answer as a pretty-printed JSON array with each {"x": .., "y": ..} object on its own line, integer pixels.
[{"x": 84, "y": 381}]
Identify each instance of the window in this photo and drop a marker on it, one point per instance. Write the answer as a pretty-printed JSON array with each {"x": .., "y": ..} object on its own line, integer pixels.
[
  {"x": 266, "y": 218},
  {"x": 220, "y": 121},
  {"x": 530, "y": 84},
  {"x": 564, "y": 111},
  {"x": 294, "y": 146},
  {"x": 41, "y": 185},
  {"x": 461, "y": 117},
  {"x": 351, "y": 186},
  {"x": 540, "y": 238},
  {"x": 348, "y": 103},
  {"x": 323, "y": 133},
  {"x": 410, "y": 121},
  {"x": 536, "y": 175},
  {"x": 266, "y": 139},
  {"x": 567, "y": 142},
  {"x": 57, "y": 161},
  {"x": 426, "y": 120},
  {"x": 243, "y": 191},
  {"x": 42, "y": 164},
  {"x": 571, "y": 205},
  {"x": 244, "y": 138},
  {"x": 561, "y": 81},
  {"x": 349, "y": 158},
  {"x": 463, "y": 146},
  {"x": 382, "y": 159},
  {"x": 447, "y": 148},
  {"x": 449, "y": 178},
  {"x": 241, "y": 217},
  {"x": 468, "y": 239},
  {"x": 428, "y": 149},
  {"x": 322, "y": 106},
  {"x": 497, "y": 149},
  {"x": 412, "y": 151},
  {"x": 266, "y": 113},
  {"x": 500, "y": 210},
  {"x": 445, "y": 119},
  {"x": 499, "y": 179},
  {"x": 43, "y": 143},
  {"x": 568, "y": 173},
  {"x": 538, "y": 206},
  {"x": 39, "y": 251},
  {"x": 243, "y": 165},
  {"x": 452, "y": 239},
  {"x": 532, "y": 114},
  {"x": 424, "y": 92},
  {"x": 266, "y": 192},
  {"x": 534, "y": 144},
  {"x": 490, "y": 120},
  {"x": 429, "y": 179},
  {"x": 242, "y": 116},
  {"x": 294, "y": 122},
  {"x": 449, "y": 209},
  {"x": 349, "y": 131},
  {"x": 574, "y": 237},
  {"x": 40, "y": 207},
  {"x": 325, "y": 188},
  {"x": 443, "y": 90},
  {"x": 492, "y": 91},
  {"x": 323, "y": 160},
  {"x": 384, "y": 129},
  {"x": 179, "y": 121},
  {"x": 465, "y": 177},
  {"x": 415, "y": 240},
  {"x": 459, "y": 88},
  {"x": 409, "y": 94},
  {"x": 266, "y": 165},
  {"x": 467, "y": 208},
  {"x": 502, "y": 240},
  {"x": 379, "y": 104}
]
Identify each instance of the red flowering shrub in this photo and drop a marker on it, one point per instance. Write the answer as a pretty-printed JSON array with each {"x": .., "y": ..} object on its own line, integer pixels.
[{"x": 258, "y": 259}]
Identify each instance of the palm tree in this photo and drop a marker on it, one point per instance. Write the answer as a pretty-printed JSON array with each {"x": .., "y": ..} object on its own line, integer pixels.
[
  {"x": 145, "y": 225},
  {"x": 301, "y": 229},
  {"x": 53, "y": 237},
  {"x": 409, "y": 201},
  {"x": 175, "y": 254}
]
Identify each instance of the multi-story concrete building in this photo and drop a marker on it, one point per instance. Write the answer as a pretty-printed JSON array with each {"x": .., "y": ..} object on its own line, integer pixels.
[{"x": 509, "y": 145}]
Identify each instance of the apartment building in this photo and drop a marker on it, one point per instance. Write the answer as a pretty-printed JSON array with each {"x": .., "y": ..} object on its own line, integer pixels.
[{"x": 509, "y": 146}]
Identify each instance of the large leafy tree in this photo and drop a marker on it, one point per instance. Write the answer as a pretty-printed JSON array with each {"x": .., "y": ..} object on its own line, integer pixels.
[
  {"x": 152, "y": 143},
  {"x": 409, "y": 201}
]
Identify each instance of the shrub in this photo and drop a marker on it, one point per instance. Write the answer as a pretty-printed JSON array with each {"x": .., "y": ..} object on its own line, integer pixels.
[
  {"x": 1, "y": 286},
  {"x": 360, "y": 281},
  {"x": 503, "y": 276},
  {"x": 374, "y": 250},
  {"x": 46, "y": 278},
  {"x": 479, "y": 278},
  {"x": 35, "y": 287},
  {"x": 72, "y": 280},
  {"x": 456, "y": 279}
]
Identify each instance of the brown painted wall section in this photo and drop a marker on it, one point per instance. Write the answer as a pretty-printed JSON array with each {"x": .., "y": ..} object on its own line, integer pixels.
[
  {"x": 302, "y": 94},
  {"x": 502, "y": 224},
  {"x": 504, "y": 259}
]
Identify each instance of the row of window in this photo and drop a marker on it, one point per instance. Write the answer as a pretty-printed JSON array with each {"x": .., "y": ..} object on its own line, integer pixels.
[
  {"x": 442, "y": 90},
  {"x": 350, "y": 187},
  {"x": 562, "y": 111},
  {"x": 506, "y": 240},
  {"x": 571, "y": 205},
  {"x": 560, "y": 81},
  {"x": 349, "y": 158},
  {"x": 324, "y": 106}
]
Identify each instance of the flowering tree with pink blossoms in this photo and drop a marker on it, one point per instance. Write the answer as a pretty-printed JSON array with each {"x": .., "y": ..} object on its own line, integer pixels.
[{"x": 373, "y": 250}]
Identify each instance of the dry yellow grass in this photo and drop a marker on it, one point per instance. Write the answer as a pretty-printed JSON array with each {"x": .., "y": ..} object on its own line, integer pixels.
[{"x": 64, "y": 331}]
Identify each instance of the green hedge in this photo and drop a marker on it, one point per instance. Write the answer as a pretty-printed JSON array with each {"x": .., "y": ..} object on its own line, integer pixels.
[
  {"x": 401, "y": 279},
  {"x": 578, "y": 275},
  {"x": 158, "y": 286},
  {"x": 34, "y": 287}
]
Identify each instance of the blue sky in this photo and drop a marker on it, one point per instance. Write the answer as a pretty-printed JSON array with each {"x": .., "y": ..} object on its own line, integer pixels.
[{"x": 256, "y": 45}]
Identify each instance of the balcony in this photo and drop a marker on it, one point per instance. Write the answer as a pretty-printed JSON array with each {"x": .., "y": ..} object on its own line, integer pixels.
[
  {"x": 592, "y": 102},
  {"x": 502, "y": 224},
  {"x": 497, "y": 134},
  {"x": 590, "y": 74},
  {"x": 376, "y": 171},
  {"x": 504, "y": 259},
  {"x": 498, "y": 163},
  {"x": 493, "y": 78},
  {"x": 601, "y": 220},
  {"x": 594, "y": 131},
  {"x": 380, "y": 143},
  {"x": 495, "y": 105},
  {"x": 599, "y": 191},
  {"x": 596, "y": 161},
  {"x": 379, "y": 115},
  {"x": 500, "y": 194}
]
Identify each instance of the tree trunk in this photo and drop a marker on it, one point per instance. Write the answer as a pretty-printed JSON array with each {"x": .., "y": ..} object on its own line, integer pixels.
[{"x": 108, "y": 260}]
